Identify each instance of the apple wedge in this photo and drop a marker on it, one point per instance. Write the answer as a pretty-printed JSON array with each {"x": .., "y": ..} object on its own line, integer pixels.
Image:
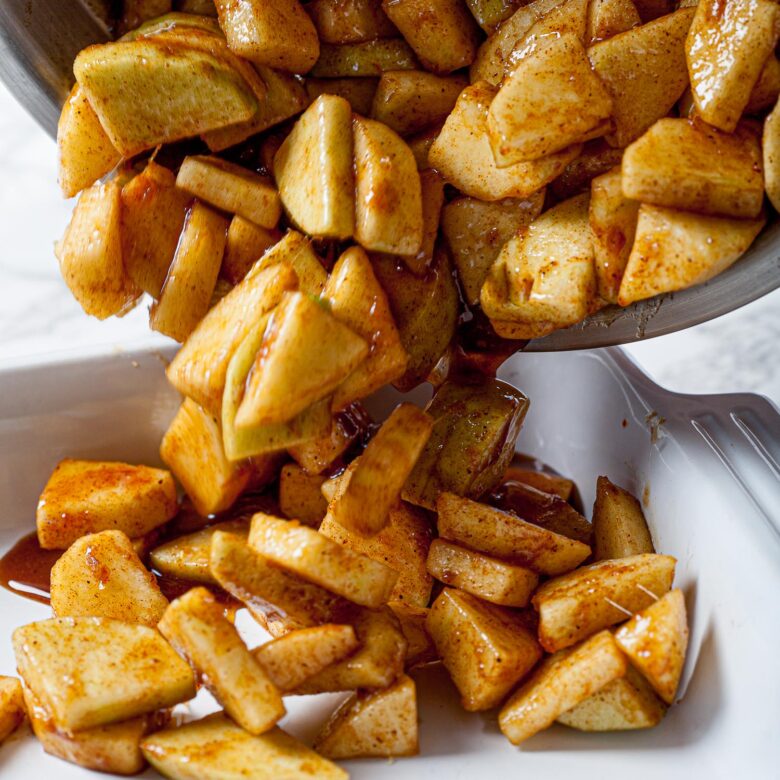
[
  {"x": 684, "y": 164},
  {"x": 304, "y": 356},
  {"x": 199, "y": 368},
  {"x": 625, "y": 704},
  {"x": 619, "y": 525},
  {"x": 90, "y": 254},
  {"x": 551, "y": 100},
  {"x": 101, "y": 575},
  {"x": 375, "y": 484},
  {"x": 612, "y": 217},
  {"x": 115, "y": 748},
  {"x": 499, "y": 534},
  {"x": 215, "y": 748},
  {"x": 192, "y": 448},
  {"x": 85, "y": 151},
  {"x": 388, "y": 199},
  {"x": 485, "y": 648},
  {"x": 196, "y": 626},
  {"x": 357, "y": 299},
  {"x": 463, "y": 156},
  {"x": 293, "y": 658},
  {"x": 231, "y": 188},
  {"x": 490, "y": 579},
  {"x": 313, "y": 170},
  {"x": 254, "y": 441},
  {"x": 544, "y": 278},
  {"x": 268, "y": 591},
  {"x": 153, "y": 214},
  {"x": 378, "y": 661},
  {"x": 644, "y": 71},
  {"x": 574, "y": 606},
  {"x": 674, "y": 250},
  {"x": 726, "y": 51},
  {"x": 147, "y": 92},
  {"x": 476, "y": 424},
  {"x": 186, "y": 294},
  {"x": 187, "y": 557},
  {"x": 561, "y": 682},
  {"x": 278, "y": 33},
  {"x": 311, "y": 555},
  {"x": 402, "y": 545},
  {"x": 656, "y": 640},
  {"x": 373, "y": 724},
  {"x": 12, "y": 709}
]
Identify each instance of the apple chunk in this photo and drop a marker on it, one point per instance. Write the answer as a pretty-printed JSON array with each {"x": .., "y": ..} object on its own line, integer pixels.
[
  {"x": 85, "y": 151},
  {"x": 153, "y": 213},
  {"x": 199, "y": 368},
  {"x": 552, "y": 99},
  {"x": 11, "y": 706},
  {"x": 485, "y": 648},
  {"x": 101, "y": 575},
  {"x": 320, "y": 560},
  {"x": 674, "y": 250},
  {"x": 192, "y": 448},
  {"x": 215, "y": 748},
  {"x": 373, "y": 724},
  {"x": 291, "y": 659},
  {"x": 114, "y": 748},
  {"x": 278, "y": 34},
  {"x": 305, "y": 354},
  {"x": 684, "y": 164},
  {"x": 503, "y": 535},
  {"x": 402, "y": 545},
  {"x": 490, "y": 579},
  {"x": 375, "y": 483},
  {"x": 726, "y": 50},
  {"x": 94, "y": 671},
  {"x": 186, "y": 295},
  {"x": 357, "y": 299},
  {"x": 584, "y": 601},
  {"x": 619, "y": 525},
  {"x": 147, "y": 92},
  {"x": 90, "y": 254},
  {"x": 624, "y": 704},
  {"x": 561, "y": 682},
  {"x": 656, "y": 641},
  {"x": 313, "y": 170},
  {"x": 84, "y": 496},
  {"x": 231, "y": 188},
  {"x": 464, "y": 157},
  {"x": 269, "y": 592},
  {"x": 388, "y": 198},
  {"x": 196, "y": 626}
]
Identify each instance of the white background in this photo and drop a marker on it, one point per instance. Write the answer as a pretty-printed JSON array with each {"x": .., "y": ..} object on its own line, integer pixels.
[{"x": 38, "y": 317}]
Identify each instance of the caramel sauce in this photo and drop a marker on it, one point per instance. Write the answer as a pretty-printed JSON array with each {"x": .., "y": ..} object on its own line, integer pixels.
[{"x": 26, "y": 569}]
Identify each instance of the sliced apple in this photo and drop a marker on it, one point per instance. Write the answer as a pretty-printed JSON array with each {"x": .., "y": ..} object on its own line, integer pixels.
[
  {"x": 373, "y": 724},
  {"x": 85, "y": 151},
  {"x": 305, "y": 354},
  {"x": 388, "y": 199},
  {"x": 313, "y": 170},
  {"x": 147, "y": 92},
  {"x": 656, "y": 641}
]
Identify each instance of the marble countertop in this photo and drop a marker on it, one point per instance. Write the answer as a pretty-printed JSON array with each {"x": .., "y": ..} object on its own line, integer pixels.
[{"x": 39, "y": 318}]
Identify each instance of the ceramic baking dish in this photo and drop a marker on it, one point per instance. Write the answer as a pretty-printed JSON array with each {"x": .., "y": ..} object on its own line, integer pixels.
[{"x": 706, "y": 466}]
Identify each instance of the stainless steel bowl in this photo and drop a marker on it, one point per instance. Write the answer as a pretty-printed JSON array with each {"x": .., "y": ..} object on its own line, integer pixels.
[{"x": 40, "y": 38}]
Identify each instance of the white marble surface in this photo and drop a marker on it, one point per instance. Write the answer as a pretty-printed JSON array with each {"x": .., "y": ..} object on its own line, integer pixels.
[{"x": 39, "y": 318}]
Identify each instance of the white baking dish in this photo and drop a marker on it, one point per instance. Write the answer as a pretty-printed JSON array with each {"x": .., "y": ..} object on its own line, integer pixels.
[{"x": 707, "y": 467}]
